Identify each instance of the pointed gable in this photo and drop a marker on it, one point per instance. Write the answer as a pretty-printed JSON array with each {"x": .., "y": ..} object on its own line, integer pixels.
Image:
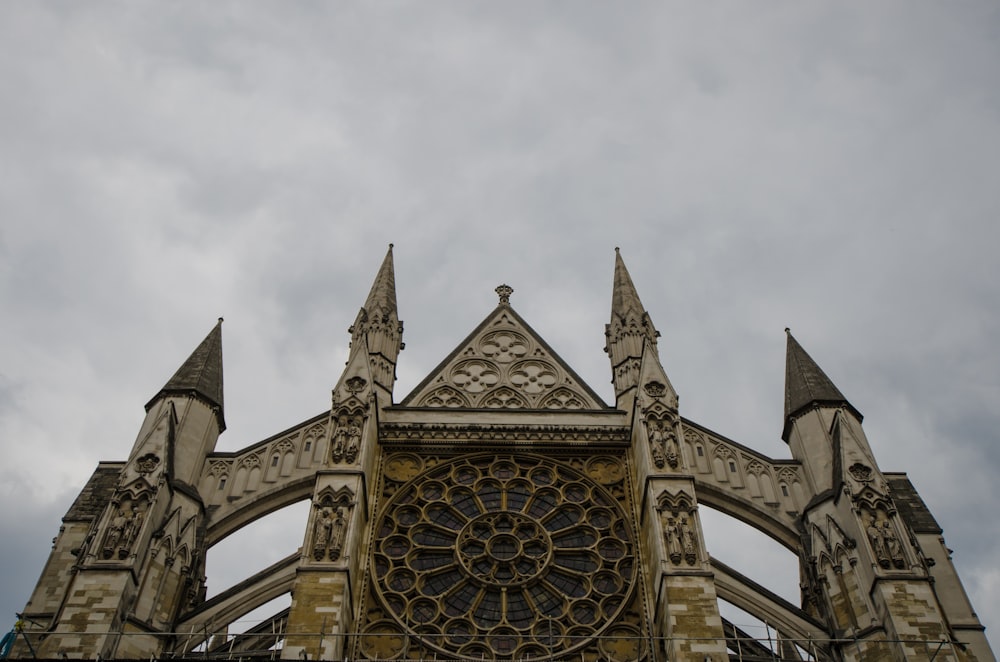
[{"x": 504, "y": 364}]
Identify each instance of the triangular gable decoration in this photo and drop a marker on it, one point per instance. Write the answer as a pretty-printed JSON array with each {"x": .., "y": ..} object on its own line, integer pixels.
[{"x": 504, "y": 364}]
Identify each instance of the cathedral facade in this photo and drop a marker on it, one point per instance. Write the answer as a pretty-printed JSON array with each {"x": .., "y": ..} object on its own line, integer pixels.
[{"x": 500, "y": 511}]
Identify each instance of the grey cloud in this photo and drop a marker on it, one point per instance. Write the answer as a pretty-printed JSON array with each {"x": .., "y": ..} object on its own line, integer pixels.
[{"x": 827, "y": 167}]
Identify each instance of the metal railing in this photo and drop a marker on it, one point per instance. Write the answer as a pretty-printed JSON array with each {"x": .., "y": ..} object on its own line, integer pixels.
[{"x": 343, "y": 647}]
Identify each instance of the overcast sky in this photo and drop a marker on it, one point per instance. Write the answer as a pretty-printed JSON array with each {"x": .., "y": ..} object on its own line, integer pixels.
[{"x": 832, "y": 167}]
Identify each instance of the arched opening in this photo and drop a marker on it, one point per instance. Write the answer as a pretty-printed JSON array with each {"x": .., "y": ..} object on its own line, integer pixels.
[
  {"x": 245, "y": 554},
  {"x": 752, "y": 553},
  {"x": 757, "y": 580}
]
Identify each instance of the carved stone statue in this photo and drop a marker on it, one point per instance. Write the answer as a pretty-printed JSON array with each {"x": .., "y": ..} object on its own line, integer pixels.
[
  {"x": 339, "y": 442},
  {"x": 659, "y": 459},
  {"x": 892, "y": 545},
  {"x": 115, "y": 532},
  {"x": 877, "y": 541},
  {"x": 688, "y": 541},
  {"x": 321, "y": 538},
  {"x": 130, "y": 531},
  {"x": 353, "y": 441},
  {"x": 672, "y": 535},
  {"x": 656, "y": 443},
  {"x": 337, "y": 535},
  {"x": 670, "y": 448}
]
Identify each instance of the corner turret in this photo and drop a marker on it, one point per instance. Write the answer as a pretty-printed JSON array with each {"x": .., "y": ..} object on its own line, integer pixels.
[
  {"x": 812, "y": 406},
  {"x": 192, "y": 402}
]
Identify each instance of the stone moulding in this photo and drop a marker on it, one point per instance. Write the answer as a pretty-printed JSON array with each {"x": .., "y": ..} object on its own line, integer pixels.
[{"x": 391, "y": 434}]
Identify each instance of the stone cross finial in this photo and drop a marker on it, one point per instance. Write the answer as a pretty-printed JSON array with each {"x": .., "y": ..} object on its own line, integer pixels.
[{"x": 504, "y": 291}]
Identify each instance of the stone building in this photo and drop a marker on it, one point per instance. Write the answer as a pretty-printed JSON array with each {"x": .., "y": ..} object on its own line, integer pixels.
[{"x": 499, "y": 511}]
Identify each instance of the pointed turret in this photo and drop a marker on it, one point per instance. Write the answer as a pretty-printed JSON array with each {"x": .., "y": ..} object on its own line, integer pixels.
[
  {"x": 812, "y": 405},
  {"x": 200, "y": 376},
  {"x": 377, "y": 329},
  {"x": 629, "y": 332},
  {"x": 382, "y": 296},
  {"x": 806, "y": 384},
  {"x": 624, "y": 298}
]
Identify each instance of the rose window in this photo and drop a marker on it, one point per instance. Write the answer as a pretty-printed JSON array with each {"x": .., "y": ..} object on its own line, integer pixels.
[{"x": 502, "y": 557}]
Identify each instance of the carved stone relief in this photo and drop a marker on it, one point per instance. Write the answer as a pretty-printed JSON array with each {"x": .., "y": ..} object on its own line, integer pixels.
[
  {"x": 355, "y": 384},
  {"x": 147, "y": 463},
  {"x": 677, "y": 517},
  {"x": 345, "y": 445},
  {"x": 328, "y": 539},
  {"x": 330, "y": 527},
  {"x": 123, "y": 528},
  {"x": 505, "y": 368},
  {"x": 662, "y": 442},
  {"x": 887, "y": 550}
]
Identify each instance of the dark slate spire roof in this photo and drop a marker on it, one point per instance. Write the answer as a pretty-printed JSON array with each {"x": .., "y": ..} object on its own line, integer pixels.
[
  {"x": 805, "y": 383},
  {"x": 382, "y": 296},
  {"x": 200, "y": 375},
  {"x": 624, "y": 297}
]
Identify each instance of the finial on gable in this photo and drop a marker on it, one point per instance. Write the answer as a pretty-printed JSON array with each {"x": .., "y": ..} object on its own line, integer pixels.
[{"x": 504, "y": 291}]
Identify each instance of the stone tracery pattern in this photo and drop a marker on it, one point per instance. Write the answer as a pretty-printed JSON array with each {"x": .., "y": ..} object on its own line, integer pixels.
[
  {"x": 505, "y": 367},
  {"x": 500, "y": 557}
]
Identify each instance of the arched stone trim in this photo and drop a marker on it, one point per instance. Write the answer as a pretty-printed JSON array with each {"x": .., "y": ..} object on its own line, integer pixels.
[
  {"x": 757, "y": 601},
  {"x": 776, "y": 524},
  {"x": 216, "y": 614},
  {"x": 238, "y": 514}
]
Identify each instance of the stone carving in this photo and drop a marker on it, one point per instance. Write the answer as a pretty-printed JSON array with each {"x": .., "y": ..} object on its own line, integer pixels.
[
  {"x": 346, "y": 441},
  {"x": 475, "y": 376},
  {"x": 680, "y": 538},
  {"x": 860, "y": 472},
  {"x": 674, "y": 548},
  {"x": 503, "y": 346},
  {"x": 504, "y": 367},
  {"x": 533, "y": 377},
  {"x": 605, "y": 470},
  {"x": 504, "y": 292},
  {"x": 655, "y": 389},
  {"x": 688, "y": 542},
  {"x": 122, "y": 531},
  {"x": 330, "y": 528},
  {"x": 353, "y": 441},
  {"x": 147, "y": 463},
  {"x": 885, "y": 544},
  {"x": 402, "y": 468},
  {"x": 218, "y": 469},
  {"x": 504, "y": 398},
  {"x": 445, "y": 396},
  {"x": 561, "y": 398},
  {"x": 656, "y": 448},
  {"x": 355, "y": 384},
  {"x": 677, "y": 512},
  {"x": 878, "y": 544},
  {"x": 663, "y": 443},
  {"x": 892, "y": 545}
]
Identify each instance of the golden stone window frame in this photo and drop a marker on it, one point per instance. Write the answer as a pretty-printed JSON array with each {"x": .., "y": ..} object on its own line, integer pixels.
[{"x": 501, "y": 555}]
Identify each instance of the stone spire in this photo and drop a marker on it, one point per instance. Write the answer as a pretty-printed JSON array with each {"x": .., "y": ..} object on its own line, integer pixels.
[
  {"x": 629, "y": 332},
  {"x": 200, "y": 376},
  {"x": 377, "y": 326},
  {"x": 382, "y": 297},
  {"x": 806, "y": 384},
  {"x": 624, "y": 298}
]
